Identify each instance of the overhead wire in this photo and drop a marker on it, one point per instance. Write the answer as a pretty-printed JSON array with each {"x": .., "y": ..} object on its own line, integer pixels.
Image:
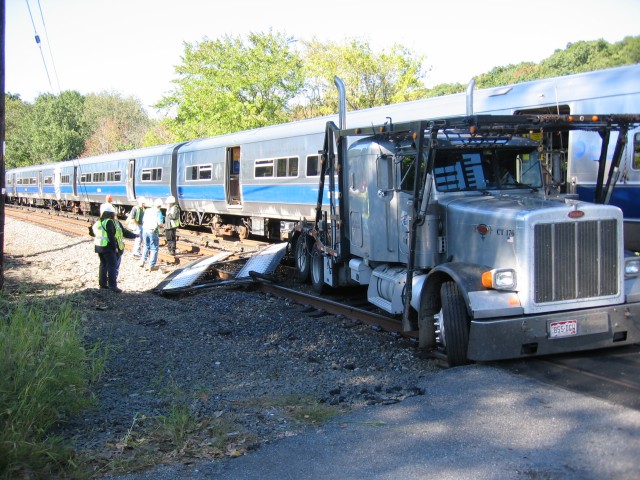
[
  {"x": 46, "y": 36},
  {"x": 37, "y": 38}
]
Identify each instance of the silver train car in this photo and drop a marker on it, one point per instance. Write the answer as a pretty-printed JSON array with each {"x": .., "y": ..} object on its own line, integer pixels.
[{"x": 261, "y": 181}]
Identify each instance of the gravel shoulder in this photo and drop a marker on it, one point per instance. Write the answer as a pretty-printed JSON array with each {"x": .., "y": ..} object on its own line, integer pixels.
[{"x": 210, "y": 376}]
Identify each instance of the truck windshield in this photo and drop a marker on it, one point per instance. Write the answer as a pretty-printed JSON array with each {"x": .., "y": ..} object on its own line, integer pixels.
[{"x": 487, "y": 169}]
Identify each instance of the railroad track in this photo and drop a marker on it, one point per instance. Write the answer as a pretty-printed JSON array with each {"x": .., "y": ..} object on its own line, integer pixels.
[{"x": 610, "y": 374}]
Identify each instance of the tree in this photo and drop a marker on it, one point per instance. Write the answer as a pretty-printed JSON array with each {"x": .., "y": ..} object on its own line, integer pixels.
[
  {"x": 115, "y": 123},
  {"x": 371, "y": 79},
  {"x": 17, "y": 138},
  {"x": 233, "y": 84},
  {"x": 50, "y": 130}
]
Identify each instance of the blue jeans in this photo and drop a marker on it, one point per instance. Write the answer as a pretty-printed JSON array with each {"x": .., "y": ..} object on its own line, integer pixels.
[{"x": 151, "y": 242}]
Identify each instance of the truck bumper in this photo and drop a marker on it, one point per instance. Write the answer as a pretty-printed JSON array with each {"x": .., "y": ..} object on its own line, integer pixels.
[{"x": 559, "y": 332}]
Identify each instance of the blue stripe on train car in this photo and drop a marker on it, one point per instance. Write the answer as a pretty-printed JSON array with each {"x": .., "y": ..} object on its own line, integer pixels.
[
  {"x": 86, "y": 189},
  {"x": 304, "y": 194},
  {"x": 624, "y": 197},
  {"x": 211, "y": 193}
]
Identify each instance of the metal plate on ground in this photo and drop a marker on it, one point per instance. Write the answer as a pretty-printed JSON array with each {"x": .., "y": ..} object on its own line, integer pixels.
[
  {"x": 264, "y": 262},
  {"x": 190, "y": 274}
]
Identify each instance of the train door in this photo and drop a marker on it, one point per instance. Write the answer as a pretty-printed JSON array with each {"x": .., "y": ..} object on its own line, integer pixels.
[
  {"x": 131, "y": 177},
  {"x": 13, "y": 185},
  {"x": 40, "y": 183},
  {"x": 232, "y": 183},
  {"x": 74, "y": 181}
]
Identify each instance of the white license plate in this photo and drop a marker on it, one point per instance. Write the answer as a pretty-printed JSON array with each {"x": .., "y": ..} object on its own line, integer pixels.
[{"x": 565, "y": 328}]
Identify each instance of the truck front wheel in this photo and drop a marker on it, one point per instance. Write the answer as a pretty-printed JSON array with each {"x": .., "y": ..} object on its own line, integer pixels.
[{"x": 452, "y": 324}]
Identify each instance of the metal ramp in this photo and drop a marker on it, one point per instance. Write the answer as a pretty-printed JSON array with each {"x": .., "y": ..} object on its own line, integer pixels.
[{"x": 204, "y": 273}]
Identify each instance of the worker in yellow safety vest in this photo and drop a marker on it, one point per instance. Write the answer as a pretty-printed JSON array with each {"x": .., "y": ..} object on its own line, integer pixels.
[{"x": 108, "y": 243}]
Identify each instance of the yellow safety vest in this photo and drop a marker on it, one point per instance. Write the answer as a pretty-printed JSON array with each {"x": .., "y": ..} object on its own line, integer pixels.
[{"x": 102, "y": 239}]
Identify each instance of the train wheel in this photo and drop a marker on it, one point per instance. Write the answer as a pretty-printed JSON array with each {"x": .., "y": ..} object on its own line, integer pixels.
[
  {"x": 452, "y": 325},
  {"x": 303, "y": 259},
  {"x": 317, "y": 271}
]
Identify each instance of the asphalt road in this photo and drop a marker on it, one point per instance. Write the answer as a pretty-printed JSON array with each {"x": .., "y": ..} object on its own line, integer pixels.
[{"x": 476, "y": 422}]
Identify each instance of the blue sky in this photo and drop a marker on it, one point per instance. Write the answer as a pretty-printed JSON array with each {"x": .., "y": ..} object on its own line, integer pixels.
[{"x": 132, "y": 46}]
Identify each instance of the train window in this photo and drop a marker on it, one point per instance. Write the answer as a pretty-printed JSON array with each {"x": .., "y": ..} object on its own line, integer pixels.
[
  {"x": 65, "y": 179},
  {"x": 313, "y": 165},
  {"x": 85, "y": 178},
  {"x": 98, "y": 177},
  {"x": 115, "y": 176},
  {"x": 48, "y": 180},
  {"x": 287, "y": 167},
  {"x": 263, "y": 168},
  {"x": 151, "y": 175},
  {"x": 636, "y": 151},
  {"x": 198, "y": 172},
  {"x": 33, "y": 181}
]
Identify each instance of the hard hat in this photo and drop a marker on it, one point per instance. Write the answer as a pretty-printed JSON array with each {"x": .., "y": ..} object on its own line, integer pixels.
[
  {"x": 142, "y": 201},
  {"x": 107, "y": 207},
  {"x": 171, "y": 199},
  {"x": 108, "y": 198},
  {"x": 158, "y": 202}
]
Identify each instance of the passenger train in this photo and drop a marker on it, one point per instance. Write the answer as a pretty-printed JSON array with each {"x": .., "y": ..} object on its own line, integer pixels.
[{"x": 262, "y": 181}]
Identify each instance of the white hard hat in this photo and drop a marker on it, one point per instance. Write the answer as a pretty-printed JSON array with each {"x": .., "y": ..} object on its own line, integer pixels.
[
  {"x": 107, "y": 207},
  {"x": 158, "y": 202},
  {"x": 142, "y": 201},
  {"x": 171, "y": 199}
]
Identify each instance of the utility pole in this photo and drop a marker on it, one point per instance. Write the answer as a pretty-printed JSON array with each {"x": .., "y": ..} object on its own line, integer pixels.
[{"x": 3, "y": 22}]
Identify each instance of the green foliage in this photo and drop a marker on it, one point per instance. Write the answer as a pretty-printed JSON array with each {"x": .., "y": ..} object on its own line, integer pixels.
[
  {"x": 17, "y": 114},
  {"x": 371, "y": 79},
  {"x": 116, "y": 123},
  {"x": 50, "y": 130},
  {"x": 44, "y": 375},
  {"x": 233, "y": 84},
  {"x": 57, "y": 129}
]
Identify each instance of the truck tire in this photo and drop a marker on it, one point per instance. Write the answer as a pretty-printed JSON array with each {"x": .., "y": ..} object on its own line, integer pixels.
[
  {"x": 317, "y": 271},
  {"x": 454, "y": 324},
  {"x": 303, "y": 259}
]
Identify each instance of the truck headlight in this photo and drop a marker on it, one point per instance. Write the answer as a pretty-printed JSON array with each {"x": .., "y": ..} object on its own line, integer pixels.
[
  {"x": 632, "y": 267},
  {"x": 500, "y": 279}
]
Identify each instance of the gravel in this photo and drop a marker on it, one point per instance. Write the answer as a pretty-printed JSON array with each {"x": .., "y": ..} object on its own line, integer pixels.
[{"x": 207, "y": 376}]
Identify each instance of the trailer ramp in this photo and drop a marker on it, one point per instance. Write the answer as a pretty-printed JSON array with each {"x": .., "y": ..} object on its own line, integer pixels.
[{"x": 219, "y": 269}]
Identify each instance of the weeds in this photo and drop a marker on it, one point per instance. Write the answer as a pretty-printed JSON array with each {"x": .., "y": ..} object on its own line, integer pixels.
[{"x": 44, "y": 376}]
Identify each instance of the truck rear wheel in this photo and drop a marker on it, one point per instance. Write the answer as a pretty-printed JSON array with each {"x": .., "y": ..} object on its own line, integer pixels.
[
  {"x": 303, "y": 259},
  {"x": 317, "y": 271},
  {"x": 453, "y": 324}
]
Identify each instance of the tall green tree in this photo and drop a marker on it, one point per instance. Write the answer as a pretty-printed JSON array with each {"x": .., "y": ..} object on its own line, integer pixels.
[
  {"x": 371, "y": 78},
  {"x": 16, "y": 131},
  {"x": 51, "y": 130},
  {"x": 232, "y": 84},
  {"x": 116, "y": 123}
]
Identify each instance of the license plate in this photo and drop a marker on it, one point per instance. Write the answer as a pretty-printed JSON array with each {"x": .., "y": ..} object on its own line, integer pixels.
[{"x": 565, "y": 328}]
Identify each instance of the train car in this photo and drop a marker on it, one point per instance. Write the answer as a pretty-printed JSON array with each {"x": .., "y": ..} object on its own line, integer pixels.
[
  {"x": 39, "y": 185},
  {"x": 126, "y": 176},
  {"x": 249, "y": 182}
]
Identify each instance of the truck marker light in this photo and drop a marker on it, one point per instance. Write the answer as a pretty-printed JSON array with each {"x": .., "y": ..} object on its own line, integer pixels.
[{"x": 575, "y": 214}]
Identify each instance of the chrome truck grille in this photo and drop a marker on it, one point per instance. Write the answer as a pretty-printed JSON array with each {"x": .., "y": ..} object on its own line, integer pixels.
[{"x": 575, "y": 260}]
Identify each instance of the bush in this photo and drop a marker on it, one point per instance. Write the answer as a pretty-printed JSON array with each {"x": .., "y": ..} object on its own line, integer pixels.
[{"x": 44, "y": 376}]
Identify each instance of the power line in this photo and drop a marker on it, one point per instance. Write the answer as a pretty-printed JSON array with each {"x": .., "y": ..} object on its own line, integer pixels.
[
  {"x": 37, "y": 37},
  {"x": 46, "y": 35}
]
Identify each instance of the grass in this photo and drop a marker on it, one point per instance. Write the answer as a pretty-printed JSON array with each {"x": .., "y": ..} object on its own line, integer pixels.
[{"x": 45, "y": 372}]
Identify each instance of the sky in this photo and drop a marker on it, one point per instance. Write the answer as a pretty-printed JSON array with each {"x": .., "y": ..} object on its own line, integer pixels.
[{"x": 132, "y": 47}]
